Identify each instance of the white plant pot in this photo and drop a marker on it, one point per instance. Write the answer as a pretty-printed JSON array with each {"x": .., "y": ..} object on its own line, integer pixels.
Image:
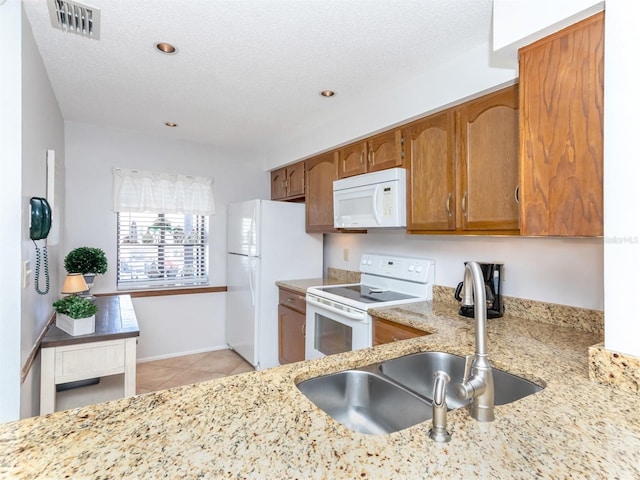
[{"x": 76, "y": 326}]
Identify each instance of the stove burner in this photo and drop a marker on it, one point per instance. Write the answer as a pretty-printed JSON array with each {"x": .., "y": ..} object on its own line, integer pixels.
[{"x": 365, "y": 293}]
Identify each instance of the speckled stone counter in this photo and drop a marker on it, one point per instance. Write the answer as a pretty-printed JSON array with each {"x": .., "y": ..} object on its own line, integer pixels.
[{"x": 258, "y": 425}]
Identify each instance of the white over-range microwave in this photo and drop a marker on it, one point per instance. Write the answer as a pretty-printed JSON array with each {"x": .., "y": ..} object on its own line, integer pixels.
[{"x": 371, "y": 200}]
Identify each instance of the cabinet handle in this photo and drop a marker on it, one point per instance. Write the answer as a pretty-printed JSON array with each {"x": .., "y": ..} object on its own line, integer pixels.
[
  {"x": 464, "y": 204},
  {"x": 448, "y": 205},
  {"x": 372, "y": 158},
  {"x": 395, "y": 339},
  {"x": 516, "y": 194},
  {"x": 361, "y": 158},
  {"x": 304, "y": 329}
]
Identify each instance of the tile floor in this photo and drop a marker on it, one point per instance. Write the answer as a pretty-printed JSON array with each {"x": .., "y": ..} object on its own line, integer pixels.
[{"x": 173, "y": 372}]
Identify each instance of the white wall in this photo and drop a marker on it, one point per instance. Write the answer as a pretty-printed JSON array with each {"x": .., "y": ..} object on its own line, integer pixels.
[
  {"x": 30, "y": 124},
  {"x": 10, "y": 207},
  {"x": 462, "y": 77},
  {"x": 42, "y": 129},
  {"x": 564, "y": 271},
  {"x": 621, "y": 174},
  {"x": 520, "y": 22},
  {"x": 177, "y": 324}
]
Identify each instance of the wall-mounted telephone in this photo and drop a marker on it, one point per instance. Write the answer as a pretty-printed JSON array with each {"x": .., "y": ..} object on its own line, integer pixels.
[
  {"x": 40, "y": 218},
  {"x": 38, "y": 230}
]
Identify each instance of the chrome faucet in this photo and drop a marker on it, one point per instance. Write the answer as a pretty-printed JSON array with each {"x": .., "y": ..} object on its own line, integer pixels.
[
  {"x": 438, "y": 432},
  {"x": 477, "y": 384}
]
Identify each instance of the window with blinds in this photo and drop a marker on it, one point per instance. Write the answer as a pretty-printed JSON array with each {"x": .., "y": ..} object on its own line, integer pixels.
[{"x": 161, "y": 250}]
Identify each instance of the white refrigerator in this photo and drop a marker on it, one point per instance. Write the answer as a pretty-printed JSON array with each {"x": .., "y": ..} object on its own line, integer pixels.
[{"x": 266, "y": 242}]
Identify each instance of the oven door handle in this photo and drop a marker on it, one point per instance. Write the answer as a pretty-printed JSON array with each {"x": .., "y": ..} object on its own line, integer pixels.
[{"x": 352, "y": 316}]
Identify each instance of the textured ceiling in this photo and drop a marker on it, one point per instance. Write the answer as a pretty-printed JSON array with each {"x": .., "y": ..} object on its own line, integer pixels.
[{"x": 248, "y": 72}]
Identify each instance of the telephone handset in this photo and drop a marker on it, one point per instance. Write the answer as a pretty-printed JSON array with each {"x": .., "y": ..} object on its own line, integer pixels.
[
  {"x": 38, "y": 230},
  {"x": 40, "y": 218}
]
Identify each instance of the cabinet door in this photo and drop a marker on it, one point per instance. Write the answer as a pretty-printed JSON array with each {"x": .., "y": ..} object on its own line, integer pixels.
[
  {"x": 291, "y": 335},
  {"x": 561, "y": 123},
  {"x": 488, "y": 161},
  {"x": 295, "y": 180},
  {"x": 321, "y": 172},
  {"x": 351, "y": 160},
  {"x": 384, "y": 151},
  {"x": 278, "y": 184},
  {"x": 385, "y": 331},
  {"x": 429, "y": 157}
]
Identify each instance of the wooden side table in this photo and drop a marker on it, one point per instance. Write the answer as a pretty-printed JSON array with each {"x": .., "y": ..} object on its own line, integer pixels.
[{"x": 110, "y": 350}]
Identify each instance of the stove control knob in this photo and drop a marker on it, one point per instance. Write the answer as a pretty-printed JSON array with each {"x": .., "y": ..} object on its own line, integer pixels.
[
  {"x": 411, "y": 268},
  {"x": 364, "y": 261},
  {"x": 369, "y": 262},
  {"x": 418, "y": 269}
]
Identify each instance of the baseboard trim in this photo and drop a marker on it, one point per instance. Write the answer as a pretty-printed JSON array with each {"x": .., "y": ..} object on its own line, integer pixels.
[{"x": 181, "y": 354}]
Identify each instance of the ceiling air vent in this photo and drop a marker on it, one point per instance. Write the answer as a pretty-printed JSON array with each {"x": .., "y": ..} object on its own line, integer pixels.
[{"x": 73, "y": 17}]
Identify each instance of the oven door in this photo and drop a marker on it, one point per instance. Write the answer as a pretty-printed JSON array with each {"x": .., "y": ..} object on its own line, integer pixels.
[{"x": 334, "y": 328}]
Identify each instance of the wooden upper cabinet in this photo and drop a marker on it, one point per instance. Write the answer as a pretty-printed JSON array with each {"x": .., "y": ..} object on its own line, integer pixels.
[
  {"x": 295, "y": 180},
  {"x": 278, "y": 184},
  {"x": 385, "y": 151},
  {"x": 488, "y": 161},
  {"x": 561, "y": 122},
  {"x": 376, "y": 153},
  {"x": 429, "y": 152},
  {"x": 288, "y": 182},
  {"x": 352, "y": 159},
  {"x": 321, "y": 172}
]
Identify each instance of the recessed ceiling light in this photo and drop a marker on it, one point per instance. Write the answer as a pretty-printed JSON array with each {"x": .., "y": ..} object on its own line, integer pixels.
[
  {"x": 171, "y": 124},
  {"x": 164, "y": 47},
  {"x": 327, "y": 93}
]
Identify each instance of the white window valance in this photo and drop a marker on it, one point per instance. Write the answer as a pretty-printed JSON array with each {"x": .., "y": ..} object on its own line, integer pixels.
[{"x": 139, "y": 191}]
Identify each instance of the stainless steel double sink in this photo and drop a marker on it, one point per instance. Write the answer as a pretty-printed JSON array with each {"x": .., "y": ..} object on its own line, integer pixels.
[{"x": 396, "y": 394}]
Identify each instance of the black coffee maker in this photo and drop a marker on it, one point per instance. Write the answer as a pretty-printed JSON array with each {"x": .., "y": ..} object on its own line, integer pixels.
[{"x": 492, "y": 273}]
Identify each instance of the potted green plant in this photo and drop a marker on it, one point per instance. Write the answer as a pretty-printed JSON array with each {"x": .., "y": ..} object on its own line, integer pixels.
[
  {"x": 75, "y": 315},
  {"x": 88, "y": 261}
]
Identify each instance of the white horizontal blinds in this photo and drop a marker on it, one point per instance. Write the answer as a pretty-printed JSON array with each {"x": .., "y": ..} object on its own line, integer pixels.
[
  {"x": 162, "y": 228},
  {"x": 161, "y": 250}
]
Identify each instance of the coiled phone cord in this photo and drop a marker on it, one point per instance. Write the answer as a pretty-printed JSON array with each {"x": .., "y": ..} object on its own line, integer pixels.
[{"x": 46, "y": 269}]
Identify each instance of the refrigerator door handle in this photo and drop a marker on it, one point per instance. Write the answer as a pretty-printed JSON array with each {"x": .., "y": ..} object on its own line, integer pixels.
[
  {"x": 252, "y": 270},
  {"x": 252, "y": 235}
]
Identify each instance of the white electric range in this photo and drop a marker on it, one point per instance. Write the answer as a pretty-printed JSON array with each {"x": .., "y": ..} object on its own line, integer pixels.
[{"x": 337, "y": 315}]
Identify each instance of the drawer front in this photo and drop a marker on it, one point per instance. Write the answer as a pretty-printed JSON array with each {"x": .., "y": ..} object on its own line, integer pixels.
[
  {"x": 387, "y": 332},
  {"x": 292, "y": 300},
  {"x": 76, "y": 362}
]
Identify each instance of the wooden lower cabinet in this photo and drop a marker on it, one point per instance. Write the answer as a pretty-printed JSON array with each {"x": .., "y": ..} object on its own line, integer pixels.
[
  {"x": 291, "y": 326},
  {"x": 386, "y": 331}
]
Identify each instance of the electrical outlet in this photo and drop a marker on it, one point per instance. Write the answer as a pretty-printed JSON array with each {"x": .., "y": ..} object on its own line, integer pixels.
[
  {"x": 345, "y": 254},
  {"x": 26, "y": 273}
]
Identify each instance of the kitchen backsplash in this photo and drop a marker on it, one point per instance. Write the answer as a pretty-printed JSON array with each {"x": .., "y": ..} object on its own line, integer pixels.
[
  {"x": 346, "y": 276},
  {"x": 551, "y": 313}
]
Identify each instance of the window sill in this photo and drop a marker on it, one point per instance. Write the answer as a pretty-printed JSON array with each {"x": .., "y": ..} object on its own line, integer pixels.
[{"x": 161, "y": 292}]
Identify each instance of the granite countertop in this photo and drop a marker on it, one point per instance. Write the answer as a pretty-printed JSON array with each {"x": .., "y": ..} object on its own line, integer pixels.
[{"x": 258, "y": 425}]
